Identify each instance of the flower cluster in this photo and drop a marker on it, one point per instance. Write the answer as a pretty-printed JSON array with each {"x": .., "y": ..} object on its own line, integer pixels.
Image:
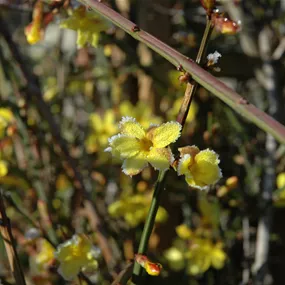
[
  {"x": 201, "y": 252},
  {"x": 75, "y": 255},
  {"x": 137, "y": 147},
  {"x": 134, "y": 209},
  {"x": 87, "y": 25},
  {"x": 101, "y": 129}
]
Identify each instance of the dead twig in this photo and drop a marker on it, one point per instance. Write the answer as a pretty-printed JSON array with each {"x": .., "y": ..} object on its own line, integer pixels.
[{"x": 6, "y": 232}]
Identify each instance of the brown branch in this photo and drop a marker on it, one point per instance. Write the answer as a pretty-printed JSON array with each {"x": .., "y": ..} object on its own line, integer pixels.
[
  {"x": 209, "y": 82},
  {"x": 6, "y": 232}
]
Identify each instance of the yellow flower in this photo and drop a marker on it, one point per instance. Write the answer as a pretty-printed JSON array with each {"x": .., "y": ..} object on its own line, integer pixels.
[
  {"x": 203, "y": 254},
  {"x": 3, "y": 168},
  {"x": 199, "y": 167},
  {"x": 280, "y": 180},
  {"x": 33, "y": 31},
  {"x": 175, "y": 258},
  {"x": 184, "y": 232},
  {"x": 101, "y": 129},
  {"x": 134, "y": 210},
  {"x": 6, "y": 118},
  {"x": 45, "y": 255},
  {"x": 75, "y": 255},
  {"x": 87, "y": 25},
  {"x": 141, "y": 111},
  {"x": 138, "y": 147}
]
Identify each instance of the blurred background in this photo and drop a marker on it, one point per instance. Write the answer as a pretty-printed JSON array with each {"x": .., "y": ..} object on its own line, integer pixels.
[{"x": 64, "y": 87}]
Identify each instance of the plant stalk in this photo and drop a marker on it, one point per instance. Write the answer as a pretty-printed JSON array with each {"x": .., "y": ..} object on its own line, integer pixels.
[
  {"x": 202, "y": 77},
  {"x": 181, "y": 118}
]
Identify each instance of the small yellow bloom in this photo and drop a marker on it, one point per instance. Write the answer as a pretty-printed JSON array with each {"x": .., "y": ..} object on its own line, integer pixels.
[
  {"x": 75, "y": 255},
  {"x": 3, "y": 168},
  {"x": 203, "y": 254},
  {"x": 175, "y": 258},
  {"x": 101, "y": 129},
  {"x": 184, "y": 232},
  {"x": 45, "y": 255},
  {"x": 138, "y": 147},
  {"x": 280, "y": 180},
  {"x": 199, "y": 167},
  {"x": 134, "y": 209},
  {"x": 141, "y": 111},
  {"x": 87, "y": 25},
  {"x": 6, "y": 118},
  {"x": 33, "y": 31}
]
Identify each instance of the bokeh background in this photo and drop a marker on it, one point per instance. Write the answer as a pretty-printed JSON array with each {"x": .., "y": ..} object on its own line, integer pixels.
[{"x": 60, "y": 101}]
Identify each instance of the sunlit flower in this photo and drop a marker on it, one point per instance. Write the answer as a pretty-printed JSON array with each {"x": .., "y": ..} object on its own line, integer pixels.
[
  {"x": 35, "y": 30},
  {"x": 134, "y": 209},
  {"x": 203, "y": 254},
  {"x": 45, "y": 255},
  {"x": 280, "y": 180},
  {"x": 175, "y": 258},
  {"x": 75, "y": 255},
  {"x": 138, "y": 147},
  {"x": 279, "y": 195},
  {"x": 3, "y": 168},
  {"x": 141, "y": 111},
  {"x": 6, "y": 118},
  {"x": 101, "y": 129},
  {"x": 197, "y": 251},
  {"x": 184, "y": 232},
  {"x": 87, "y": 25},
  {"x": 199, "y": 167}
]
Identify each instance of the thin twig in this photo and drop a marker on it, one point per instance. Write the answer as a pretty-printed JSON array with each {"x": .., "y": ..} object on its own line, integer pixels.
[
  {"x": 209, "y": 82},
  {"x": 6, "y": 232}
]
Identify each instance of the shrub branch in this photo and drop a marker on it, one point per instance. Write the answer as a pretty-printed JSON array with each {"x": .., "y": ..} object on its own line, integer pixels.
[{"x": 202, "y": 77}]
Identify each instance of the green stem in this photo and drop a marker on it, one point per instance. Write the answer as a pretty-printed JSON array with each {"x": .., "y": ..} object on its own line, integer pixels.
[
  {"x": 149, "y": 224},
  {"x": 202, "y": 77},
  {"x": 181, "y": 118}
]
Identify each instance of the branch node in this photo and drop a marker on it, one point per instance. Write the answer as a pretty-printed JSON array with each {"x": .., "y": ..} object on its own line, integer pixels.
[{"x": 135, "y": 29}]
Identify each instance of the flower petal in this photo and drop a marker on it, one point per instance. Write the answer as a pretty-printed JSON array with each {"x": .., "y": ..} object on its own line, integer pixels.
[
  {"x": 69, "y": 270},
  {"x": 96, "y": 122},
  {"x": 160, "y": 158},
  {"x": 165, "y": 134},
  {"x": 124, "y": 146},
  {"x": 183, "y": 165},
  {"x": 129, "y": 126},
  {"x": 207, "y": 155},
  {"x": 134, "y": 165},
  {"x": 206, "y": 173}
]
